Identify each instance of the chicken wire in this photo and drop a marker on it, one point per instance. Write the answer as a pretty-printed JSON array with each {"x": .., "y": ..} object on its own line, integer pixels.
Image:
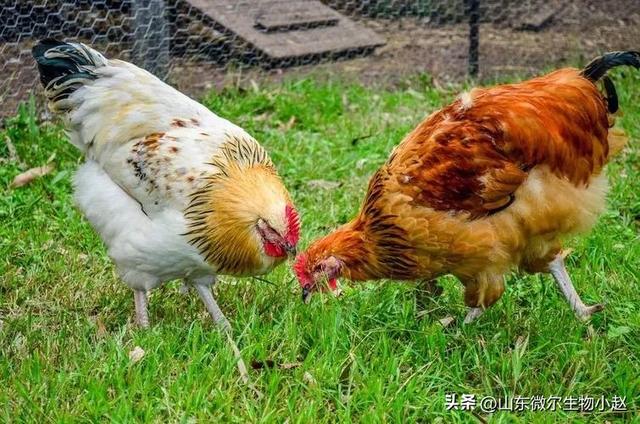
[{"x": 178, "y": 42}]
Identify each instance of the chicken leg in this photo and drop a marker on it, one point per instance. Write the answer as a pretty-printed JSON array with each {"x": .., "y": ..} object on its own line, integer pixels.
[
  {"x": 204, "y": 290},
  {"x": 480, "y": 293},
  {"x": 560, "y": 274},
  {"x": 212, "y": 306},
  {"x": 141, "y": 302}
]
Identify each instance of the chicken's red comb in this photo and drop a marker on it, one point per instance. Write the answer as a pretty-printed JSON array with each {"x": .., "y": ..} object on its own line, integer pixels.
[
  {"x": 300, "y": 269},
  {"x": 293, "y": 225}
]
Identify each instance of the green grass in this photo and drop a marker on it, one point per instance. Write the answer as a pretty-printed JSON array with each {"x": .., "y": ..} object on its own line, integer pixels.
[{"x": 66, "y": 327}]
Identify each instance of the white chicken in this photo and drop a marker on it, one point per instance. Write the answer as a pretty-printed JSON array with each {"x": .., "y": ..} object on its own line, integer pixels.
[{"x": 174, "y": 190}]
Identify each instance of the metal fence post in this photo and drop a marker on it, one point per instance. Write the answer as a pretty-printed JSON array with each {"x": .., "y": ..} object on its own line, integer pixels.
[
  {"x": 473, "y": 10},
  {"x": 151, "y": 36}
]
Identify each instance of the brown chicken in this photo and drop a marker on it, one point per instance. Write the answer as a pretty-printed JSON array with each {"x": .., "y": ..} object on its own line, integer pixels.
[{"x": 492, "y": 182}]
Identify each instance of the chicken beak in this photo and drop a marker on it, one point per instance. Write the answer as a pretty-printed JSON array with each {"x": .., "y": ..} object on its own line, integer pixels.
[
  {"x": 306, "y": 295},
  {"x": 291, "y": 249},
  {"x": 337, "y": 292}
]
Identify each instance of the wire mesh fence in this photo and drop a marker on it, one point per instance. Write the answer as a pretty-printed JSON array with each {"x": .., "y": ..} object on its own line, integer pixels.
[{"x": 198, "y": 44}]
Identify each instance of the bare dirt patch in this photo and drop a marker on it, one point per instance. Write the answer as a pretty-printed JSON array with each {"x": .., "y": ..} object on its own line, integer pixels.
[{"x": 577, "y": 32}]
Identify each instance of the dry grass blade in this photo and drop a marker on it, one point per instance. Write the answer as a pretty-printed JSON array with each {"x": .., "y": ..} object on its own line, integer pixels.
[
  {"x": 309, "y": 379},
  {"x": 30, "y": 175},
  {"x": 290, "y": 365},
  {"x": 446, "y": 321},
  {"x": 242, "y": 367},
  {"x": 286, "y": 126},
  {"x": 13, "y": 154},
  {"x": 270, "y": 363},
  {"x": 345, "y": 373},
  {"x": 479, "y": 417}
]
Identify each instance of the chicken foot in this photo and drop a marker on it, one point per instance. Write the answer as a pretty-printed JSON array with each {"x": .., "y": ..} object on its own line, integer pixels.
[
  {"x": 480, "y": 293},
  {"x": 473, "y": 314},
  {"x": 142, "y": 314},
  {"x": 216, "y": 313},
  {"x": 560, "y": 274}
]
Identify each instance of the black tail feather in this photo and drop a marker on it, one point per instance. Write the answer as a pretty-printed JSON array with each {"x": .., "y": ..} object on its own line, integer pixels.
[
  {"x": 59, "y": 59},
  {"x": 64, "y": 66},
  {"x": 599, "y": 66},
  {"x": 612, "y": 95}
]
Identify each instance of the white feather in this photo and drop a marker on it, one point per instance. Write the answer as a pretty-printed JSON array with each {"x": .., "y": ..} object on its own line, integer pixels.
[
  {"x": 146, "y": 251},
  {"x": 466, "y": 100},
  {"x": 134, "y": 197}
]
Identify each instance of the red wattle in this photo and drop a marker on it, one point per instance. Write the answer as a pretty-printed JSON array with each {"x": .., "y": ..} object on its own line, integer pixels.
[
  {"x": 274, "y": 250},
  {"x": 333, "y": 284}
]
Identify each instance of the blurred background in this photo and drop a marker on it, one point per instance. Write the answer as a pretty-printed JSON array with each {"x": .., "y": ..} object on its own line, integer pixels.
[{"x": 198, "y": 45}]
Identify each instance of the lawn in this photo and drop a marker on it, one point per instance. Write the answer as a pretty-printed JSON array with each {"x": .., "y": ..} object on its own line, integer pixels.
[{"x": 375, "y": 355}]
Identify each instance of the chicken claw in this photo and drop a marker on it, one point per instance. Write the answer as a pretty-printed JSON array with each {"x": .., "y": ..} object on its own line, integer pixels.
[
  {"x": 473, "y": 314},
  {"x": 560, "y": 274}
]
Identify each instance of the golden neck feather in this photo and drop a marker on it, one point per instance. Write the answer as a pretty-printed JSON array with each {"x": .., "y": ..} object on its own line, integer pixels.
[{"x": 223, "y": 214}]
